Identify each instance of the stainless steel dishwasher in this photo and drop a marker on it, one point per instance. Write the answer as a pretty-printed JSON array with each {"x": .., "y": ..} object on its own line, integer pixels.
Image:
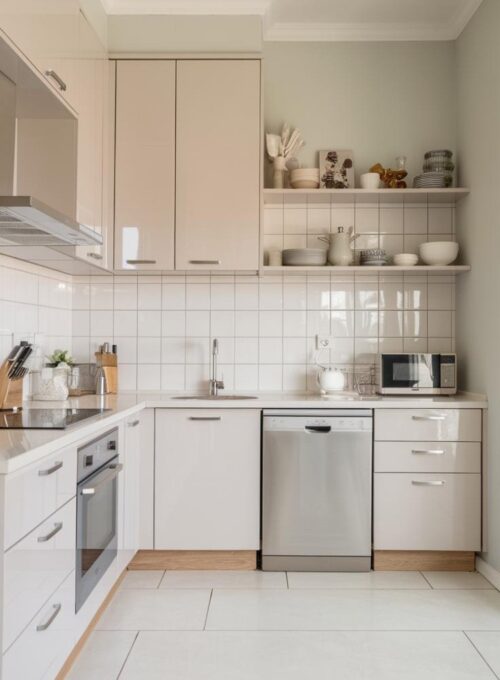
[{"x": 317, "y": 490}]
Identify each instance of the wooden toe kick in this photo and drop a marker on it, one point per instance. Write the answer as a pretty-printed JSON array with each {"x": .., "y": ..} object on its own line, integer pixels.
[
  {"x": 423, "y": 560},
  {"x": 244, "y": 560}
]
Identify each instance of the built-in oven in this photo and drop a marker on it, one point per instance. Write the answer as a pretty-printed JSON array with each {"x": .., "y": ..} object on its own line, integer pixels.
[
  {"x": 97, "y": 512},
  {"x": 418, "y": 373}
]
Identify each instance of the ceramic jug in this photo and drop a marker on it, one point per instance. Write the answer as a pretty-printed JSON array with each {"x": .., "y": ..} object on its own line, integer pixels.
[
  {"x": 339, "y": 251},
  {"x": 330, "y": 379}
]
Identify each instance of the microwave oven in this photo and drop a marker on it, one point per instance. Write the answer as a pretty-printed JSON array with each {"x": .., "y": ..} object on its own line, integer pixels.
[{"x": 415, "y": 373}]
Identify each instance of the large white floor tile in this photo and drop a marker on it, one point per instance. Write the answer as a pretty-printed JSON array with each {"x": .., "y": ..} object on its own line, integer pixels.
[
  {"x": 371, "y": 579},
  {"x": 461, "y": 580},
  {"x": 300, "y": 656},
  {"x": 103, "y": 655},
  {"x": 224, "y": 579},
  {"x": 142, "y": 579},
  {"x": 156, "y": 610},
  {"x": 354, "y": 610},
  {"x": 488, "y": 645}
]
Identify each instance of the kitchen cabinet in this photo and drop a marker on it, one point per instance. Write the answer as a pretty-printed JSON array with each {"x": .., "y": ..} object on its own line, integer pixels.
[
  {"x": 132, "y": 470},
  {"x": 145, "y": 165},
  {"x": 218, "y": 159},
  {"x": 207, "y": 479}
]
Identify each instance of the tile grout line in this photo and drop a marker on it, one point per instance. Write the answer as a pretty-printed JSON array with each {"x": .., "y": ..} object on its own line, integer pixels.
[
  {"x": 208, "y": 608},
  {"x": 287, "y": 582},
  {"x": 479, "y": 653},
  {"x": 127, "y": 656}
]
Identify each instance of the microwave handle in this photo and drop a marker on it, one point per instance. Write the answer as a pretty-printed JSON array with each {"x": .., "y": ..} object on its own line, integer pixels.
[{"x": 103, "y": 477}]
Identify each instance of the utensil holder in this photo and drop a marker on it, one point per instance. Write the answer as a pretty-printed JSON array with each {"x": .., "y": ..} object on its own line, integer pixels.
[{"x": 109, "y": 363}]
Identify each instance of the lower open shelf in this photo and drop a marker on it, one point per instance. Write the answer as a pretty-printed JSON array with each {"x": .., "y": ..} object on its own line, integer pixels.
[{"x": 417, "y": 269}]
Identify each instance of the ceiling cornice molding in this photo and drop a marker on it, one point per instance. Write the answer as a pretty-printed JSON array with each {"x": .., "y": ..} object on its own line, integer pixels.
[
  {"x": 187, "y": 7},
  {"x": 356, "y": 32}
]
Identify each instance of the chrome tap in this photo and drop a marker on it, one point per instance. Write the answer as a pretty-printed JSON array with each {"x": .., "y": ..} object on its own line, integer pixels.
[{"x": 214, "y": 385}]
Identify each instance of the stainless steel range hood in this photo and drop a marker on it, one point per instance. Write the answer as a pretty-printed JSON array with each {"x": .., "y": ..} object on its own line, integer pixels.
[{"x": 24, "y": 220}]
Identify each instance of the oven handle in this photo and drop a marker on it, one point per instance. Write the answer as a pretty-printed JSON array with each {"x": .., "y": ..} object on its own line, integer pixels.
[{"x": 102, "y": 478}]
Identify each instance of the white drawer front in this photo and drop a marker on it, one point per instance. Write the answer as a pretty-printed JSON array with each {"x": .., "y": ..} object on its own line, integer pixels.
[
  {"x": 45, "y": 644},
  {"x": 427, "y": 511},
  {"x": 428, "y": 425},
  {"x": 34, "y": 493},
  {"x": 427, "y": 457},
  {"x": 35, "y": 567}
]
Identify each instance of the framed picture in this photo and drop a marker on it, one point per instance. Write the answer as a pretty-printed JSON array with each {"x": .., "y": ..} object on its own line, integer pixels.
[{"x": 336, "y": 170}]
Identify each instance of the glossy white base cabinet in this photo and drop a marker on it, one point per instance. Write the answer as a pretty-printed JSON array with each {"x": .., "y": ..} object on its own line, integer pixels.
[{"x": 207, "y": 479}]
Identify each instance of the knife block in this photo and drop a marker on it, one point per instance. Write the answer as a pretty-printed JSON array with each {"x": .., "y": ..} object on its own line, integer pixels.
[
  {"x": 11, "y": 391},
  {"x": 109, "y": 364}
]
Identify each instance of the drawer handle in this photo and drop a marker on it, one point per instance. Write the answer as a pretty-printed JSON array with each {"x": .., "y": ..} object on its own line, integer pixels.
[
  {"x": 56, "y": 608},
  {"x": 204, "y": 262},
  {"x": 141, "y": 261},
  {"x": 96, "y": 256},
  {"x": 318, "y": 428},
  {"x": 50, "y": 471},
  {"x": 429, "y": 417},
  {"x": 205, "y": 418},
  {"x": 134, "y": 423},
  {"x": 57, "y": 528},
  {"x": 50, "y": 73},
  {"x": 429, "y": 452},
  {"x": 437, "y": 482}
]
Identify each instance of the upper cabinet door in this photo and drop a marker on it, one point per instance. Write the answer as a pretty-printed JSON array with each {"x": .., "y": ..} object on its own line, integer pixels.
[
  {"x": 145, "y": 165},
  {"x": 218, "y": 164}
]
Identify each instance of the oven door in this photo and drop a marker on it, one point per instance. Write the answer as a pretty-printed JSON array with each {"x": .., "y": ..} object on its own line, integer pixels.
[
  {"x": 96, "y": 531},
  {"x": 403, "y": 373}
]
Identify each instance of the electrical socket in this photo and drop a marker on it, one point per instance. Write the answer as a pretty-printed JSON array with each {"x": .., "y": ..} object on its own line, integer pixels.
[{"x": 324, "y": 341}]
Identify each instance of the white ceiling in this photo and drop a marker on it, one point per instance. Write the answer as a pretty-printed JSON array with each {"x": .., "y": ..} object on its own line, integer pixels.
[{"x": 325, "y": 20}]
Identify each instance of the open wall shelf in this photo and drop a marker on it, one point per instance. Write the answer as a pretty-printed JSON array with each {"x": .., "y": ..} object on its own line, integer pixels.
[
  {"x": 358, "y": 269},
  {"x": 451, "y": 195}
]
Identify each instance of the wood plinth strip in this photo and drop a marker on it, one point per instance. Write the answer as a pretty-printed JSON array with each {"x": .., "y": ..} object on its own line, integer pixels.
[
  {"x": 245, "y": 560},
  {"x": 423, "y": 560}
]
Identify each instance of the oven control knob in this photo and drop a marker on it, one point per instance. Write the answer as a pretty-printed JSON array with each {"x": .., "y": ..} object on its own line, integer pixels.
[
  {"x": 89, "y": 460},
  {"x": 112, "y": 445}
]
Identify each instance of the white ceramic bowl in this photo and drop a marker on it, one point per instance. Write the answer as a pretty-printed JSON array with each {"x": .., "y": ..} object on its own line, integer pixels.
[
  {"x": 438, "y": 253},
  {"x": 370, "y": 180},
  {"x": 304, "y": 184},
  {"x": 304, "y": 178},
  {"x": 405, "y": 259},
  {"x": 303, "y": 257}
]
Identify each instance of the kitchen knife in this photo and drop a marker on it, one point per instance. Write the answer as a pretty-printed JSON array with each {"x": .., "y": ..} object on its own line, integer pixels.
[{"x": 19, "y": 361}]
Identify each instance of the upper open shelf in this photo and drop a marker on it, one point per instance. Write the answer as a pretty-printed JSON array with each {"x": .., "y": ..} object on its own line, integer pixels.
[{"x": 451, "y": 195}]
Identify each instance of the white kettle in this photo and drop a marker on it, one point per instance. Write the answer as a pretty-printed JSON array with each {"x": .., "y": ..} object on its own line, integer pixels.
[
  {"x": 330, "y": 379},
  {"x": 339, "y": 246}
]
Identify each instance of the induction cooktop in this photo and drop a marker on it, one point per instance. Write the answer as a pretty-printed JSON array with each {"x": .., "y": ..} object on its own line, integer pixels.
[{"x": 45, "y": 418}]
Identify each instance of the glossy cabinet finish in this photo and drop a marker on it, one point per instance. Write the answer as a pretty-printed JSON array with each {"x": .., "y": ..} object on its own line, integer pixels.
[
  {"x": 427, "y": 511},
  {"x": 145, "y": 165},
  {"x": 428, "y": 425},
  {"x": 207, "y": 479},
  {"x": 132, "y": 472},
  {"x": 218, "y": 164},
  {"x": 427, "y": 457}
]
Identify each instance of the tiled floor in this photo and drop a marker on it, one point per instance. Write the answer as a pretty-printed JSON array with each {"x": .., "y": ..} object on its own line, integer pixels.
[{"x": 276, "y": 626}]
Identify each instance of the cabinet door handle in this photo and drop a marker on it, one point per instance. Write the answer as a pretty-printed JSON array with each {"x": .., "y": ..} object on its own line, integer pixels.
[
  {"x": 204, "y": 262},
  {"x": 441, "y": 417},
  {"x": 56, "y": 608},
  {"x": 50, "y": 73},
  {"x": 50, "y": 471},
  {"x": 430, "y": 452},
  {"x": 96, "y": 256},
  {"x": 205, "y": 418},
  {"x": 437, "y": 482},
  {"x": 57, "y": 528},
  {"x": 134, "y": 423},
  {"x": 141, "y": 261}
]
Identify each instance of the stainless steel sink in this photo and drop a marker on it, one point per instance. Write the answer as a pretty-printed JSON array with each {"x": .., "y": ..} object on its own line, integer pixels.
[{"x": 215, "y": 397}]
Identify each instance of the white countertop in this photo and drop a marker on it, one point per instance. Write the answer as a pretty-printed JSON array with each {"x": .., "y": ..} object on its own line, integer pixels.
[{"x": 22, "y": 447}]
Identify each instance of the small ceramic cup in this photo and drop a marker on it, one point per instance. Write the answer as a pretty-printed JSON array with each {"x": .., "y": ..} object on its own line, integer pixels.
[
  {"x": 275, "y": 258},
  {"x": 370, "y": 180}
]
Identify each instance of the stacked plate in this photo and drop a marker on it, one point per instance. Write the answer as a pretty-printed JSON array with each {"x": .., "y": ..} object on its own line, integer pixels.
[
  {"x": 431, "y": 180},
  {"x": 304, "y": 178},
  {"x": 437, "y": 170},
  {"x": 374, "y": 257}
]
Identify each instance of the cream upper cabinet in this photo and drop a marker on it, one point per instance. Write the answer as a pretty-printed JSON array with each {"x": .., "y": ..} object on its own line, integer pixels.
[
  {"x": 145, "y": 165},
  {"x": 218, "y": 164}
]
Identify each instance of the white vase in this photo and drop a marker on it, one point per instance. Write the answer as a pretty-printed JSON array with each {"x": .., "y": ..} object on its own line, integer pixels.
[{"x": 279, "y": 169}]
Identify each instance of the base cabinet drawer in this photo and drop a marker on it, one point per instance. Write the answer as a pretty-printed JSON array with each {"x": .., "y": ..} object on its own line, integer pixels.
[
  {"x": 428, "y": 425},
  {"x": 44, "y": 645},
  {"x": 427, "y": 457},
  {"x": 35, "y": 567},
  {"x": 427, "y": 511}
]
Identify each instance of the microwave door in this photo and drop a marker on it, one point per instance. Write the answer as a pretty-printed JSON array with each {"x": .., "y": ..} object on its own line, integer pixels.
[{"x": 426, "y": 376}]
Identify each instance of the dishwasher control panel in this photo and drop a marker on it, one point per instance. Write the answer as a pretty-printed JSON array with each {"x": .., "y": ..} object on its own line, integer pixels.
[{"x": 318, "y": 423}]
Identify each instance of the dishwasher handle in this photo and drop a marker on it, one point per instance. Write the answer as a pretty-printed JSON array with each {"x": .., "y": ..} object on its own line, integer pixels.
[{"x": 318, "y": 429}]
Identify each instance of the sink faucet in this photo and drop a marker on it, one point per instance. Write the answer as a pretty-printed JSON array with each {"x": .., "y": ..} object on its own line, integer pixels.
[{"x": 214, "y": 385}]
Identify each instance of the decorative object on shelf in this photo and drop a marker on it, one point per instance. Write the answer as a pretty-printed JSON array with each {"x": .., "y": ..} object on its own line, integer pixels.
[
  {"x": 393, "y": 179},
  {"x": 370, "y": 180},
  {"x": 437, "y": 170},
  {"x": 336, "y": 169},
  {"x": 280, "y": 150},
  {"x": 304, "y": 178},
  {"x": 12, "y": 373},
  {"x": 373, "y": 257},
  {"x": 304, "y": 257},
  {"x": 438, "y": 253},
  {"x": 330, "y": 379},
  {"x": 274, "y": 257},
  {"x": 339, "y": 246},
  {"x": 401, "y": 163},
  {"x": 405, "y": 259}
]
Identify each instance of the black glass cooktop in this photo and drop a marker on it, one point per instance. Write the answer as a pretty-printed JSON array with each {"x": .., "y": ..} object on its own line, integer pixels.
[{"x": 45, "y": 418}]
